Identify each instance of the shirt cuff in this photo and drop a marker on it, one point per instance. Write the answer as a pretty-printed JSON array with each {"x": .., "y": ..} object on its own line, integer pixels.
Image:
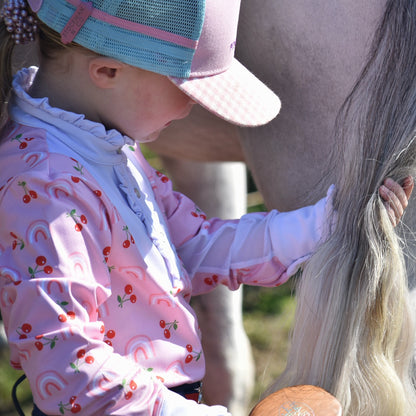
[{"x": 174, "y": 404}]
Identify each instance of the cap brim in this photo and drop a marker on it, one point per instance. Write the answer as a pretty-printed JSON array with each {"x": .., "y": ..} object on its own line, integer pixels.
[{"x": 235, "y": 95}]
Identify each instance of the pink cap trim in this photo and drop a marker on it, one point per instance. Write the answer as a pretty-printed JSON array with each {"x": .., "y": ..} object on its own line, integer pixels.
[
  {"x": 235, "y": 95},
  {"x": 77, "y": 20},
  {"x": 139, "y": 28},
  {"x": 217, "y": 42},
  {"x": 218, "y": 81}
]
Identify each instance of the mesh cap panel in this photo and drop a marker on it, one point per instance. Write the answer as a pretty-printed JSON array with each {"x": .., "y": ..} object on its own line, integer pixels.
[
  {"x": 175, "y": 16},
  {"x": 114, "y": 37}
]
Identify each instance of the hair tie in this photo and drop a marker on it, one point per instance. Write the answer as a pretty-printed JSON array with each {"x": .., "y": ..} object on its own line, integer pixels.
[{"x": 21, "y": 25}]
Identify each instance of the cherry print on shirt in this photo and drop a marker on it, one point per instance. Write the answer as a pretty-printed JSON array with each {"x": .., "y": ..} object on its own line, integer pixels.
[
  {"x": 110, "y": 335},
  {"x": 29, "y": 194},
  {"x": 128, "y": 388},
  {"x": 72, "y": 406},
  {"x": 68, "y": 314},
  {"x": 78, "y": 219},
  {"x": 109, "y": 268},
  {"x": 106, "y": 253},
  {"x": 161, "y": 379},
  {"x": 78, "y": 167},
  {"x": 47, "y": 341},
  {"x": 17, "y": 242},
  {"x": 129, "y": 237},
  {"x": 243, "y": 272},
  {"x": 197, "y": 213},
  {"x": 162, "y": 177},
  {"x": 23, "y": 330},
  {"x": 82, "y": 358},
  {"x": 127, "y": 296},
  {"x": 22, "y": 144},
  {"x": 167, "y": 327},
  {"x": 193, "y": 355},
  {"x": 41, "y": 266},
  {"x": 210, "y": 281}
]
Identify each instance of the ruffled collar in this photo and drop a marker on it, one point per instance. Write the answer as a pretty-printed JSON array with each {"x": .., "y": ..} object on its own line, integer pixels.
[
  {"x": 88, "y": 138},
  {"x": 100, "y": 147}
]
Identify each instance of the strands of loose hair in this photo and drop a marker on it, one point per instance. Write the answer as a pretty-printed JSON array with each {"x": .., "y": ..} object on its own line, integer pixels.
[
  {"x": 50, "y": 48},
  {"x": 354, "y": 331}
]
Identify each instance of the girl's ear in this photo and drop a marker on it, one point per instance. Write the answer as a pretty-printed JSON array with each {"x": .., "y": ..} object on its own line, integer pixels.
[{"x": 104, "y": 71}]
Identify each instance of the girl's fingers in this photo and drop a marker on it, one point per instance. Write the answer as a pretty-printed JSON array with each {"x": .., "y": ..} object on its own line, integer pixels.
[
  {"x": 408, "y": 184},
  {"x": 391, "y": 204},
  {"x": 396, "y": 197},
  {"x": 396, "y": 192}
]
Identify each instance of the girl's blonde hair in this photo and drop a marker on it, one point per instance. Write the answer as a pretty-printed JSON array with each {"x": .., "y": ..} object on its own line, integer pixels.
[
  {"x": 354, "y": 328},
  {"x": 49, "y": 45}
]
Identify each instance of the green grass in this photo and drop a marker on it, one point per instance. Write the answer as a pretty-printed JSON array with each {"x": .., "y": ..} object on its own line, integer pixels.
[
  {"x": 8, "y": 376},
  {"x": 268, "y": 318}
]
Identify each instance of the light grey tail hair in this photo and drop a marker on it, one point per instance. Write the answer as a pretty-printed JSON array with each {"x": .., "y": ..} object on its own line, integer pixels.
[{"x": 354, "y": 332}]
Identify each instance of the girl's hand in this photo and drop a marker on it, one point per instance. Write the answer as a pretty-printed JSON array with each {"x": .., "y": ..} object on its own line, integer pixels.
[{"x": 396, "y": 197}]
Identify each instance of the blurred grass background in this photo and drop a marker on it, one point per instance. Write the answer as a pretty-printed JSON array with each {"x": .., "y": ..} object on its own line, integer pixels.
[{"x": 268, "y": 317}]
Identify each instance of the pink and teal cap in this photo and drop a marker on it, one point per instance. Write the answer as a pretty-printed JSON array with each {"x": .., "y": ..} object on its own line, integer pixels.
[{"x": 190, "y": 41}]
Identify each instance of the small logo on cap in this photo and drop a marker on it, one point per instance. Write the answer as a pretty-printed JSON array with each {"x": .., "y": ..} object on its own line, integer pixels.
[{"x": 35, "y": 5}]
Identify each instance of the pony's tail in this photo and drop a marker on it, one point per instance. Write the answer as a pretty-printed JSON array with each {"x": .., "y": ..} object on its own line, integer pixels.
[{"x": 354, "y": 330}]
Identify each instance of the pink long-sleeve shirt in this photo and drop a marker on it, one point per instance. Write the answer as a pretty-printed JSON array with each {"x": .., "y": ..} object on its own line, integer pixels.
[{"x": 99, "y": 258}]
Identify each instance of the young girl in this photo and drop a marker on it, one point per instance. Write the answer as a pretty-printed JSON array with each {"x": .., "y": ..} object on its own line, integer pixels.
[{"x": 99, "y": 257}]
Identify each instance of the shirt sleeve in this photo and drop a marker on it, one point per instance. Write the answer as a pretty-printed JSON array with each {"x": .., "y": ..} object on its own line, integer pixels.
[
  {"x": 262, "y": 249},
  {"x": 53, "y": 280}
]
